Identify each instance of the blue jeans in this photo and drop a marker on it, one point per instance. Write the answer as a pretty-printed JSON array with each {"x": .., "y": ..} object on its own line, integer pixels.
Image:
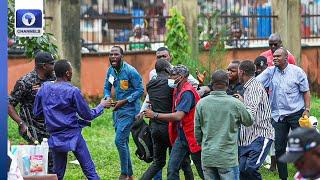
[
  {"x": 215, "y": 173},
  {"x": 180, "y": 150},
  {"x": 161, "y": 143},
  {"x": 251, "y": 158},
  {"x": 122, "y": 128},
  {"x": 158, "y": 176}
]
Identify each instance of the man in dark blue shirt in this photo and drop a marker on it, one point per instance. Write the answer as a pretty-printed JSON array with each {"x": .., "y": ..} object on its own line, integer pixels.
[{"x": 61, "y": 103}]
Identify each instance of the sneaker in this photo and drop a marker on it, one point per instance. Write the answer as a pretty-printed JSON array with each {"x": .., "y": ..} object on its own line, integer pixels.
[{"x": 123, "y": 177}]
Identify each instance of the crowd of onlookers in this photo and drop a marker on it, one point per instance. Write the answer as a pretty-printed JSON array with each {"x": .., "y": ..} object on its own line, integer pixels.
[{"x": 227, "y": 127}]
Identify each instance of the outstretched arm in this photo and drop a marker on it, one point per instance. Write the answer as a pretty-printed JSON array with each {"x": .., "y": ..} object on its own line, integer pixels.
[{"x": 83, "y": 109}]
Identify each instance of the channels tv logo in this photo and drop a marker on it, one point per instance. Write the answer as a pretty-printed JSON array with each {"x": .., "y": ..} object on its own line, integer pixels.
[
  {"x": 28, "y": 19},
  {"x": 29, "y": 22}
]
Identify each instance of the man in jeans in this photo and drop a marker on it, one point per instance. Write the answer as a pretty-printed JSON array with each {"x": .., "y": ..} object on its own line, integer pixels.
[
  {"x": 181, "y": 122},
  {"x": 128, "y": 86},
  {"x": 289, "y": 96},
  {"x": 163, "y": 54},
  {"x": 217, "y": 121},
  {"x": 160, "y": 98},
  {"x": 255, "y": 141}
]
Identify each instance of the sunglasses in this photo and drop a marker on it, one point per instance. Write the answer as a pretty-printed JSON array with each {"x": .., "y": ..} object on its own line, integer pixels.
[
  {"x": 273, "y": 44},
  {"x": 161, "y": 56}
]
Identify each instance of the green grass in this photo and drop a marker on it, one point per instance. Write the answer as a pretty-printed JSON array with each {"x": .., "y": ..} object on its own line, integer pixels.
[{"x": 100, "y": 139}]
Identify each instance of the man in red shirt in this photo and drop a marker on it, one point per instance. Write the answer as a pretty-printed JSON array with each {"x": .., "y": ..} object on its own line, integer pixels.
[
  {"x": 274, "y": 43},
  {"x": 181, "y": 122}
]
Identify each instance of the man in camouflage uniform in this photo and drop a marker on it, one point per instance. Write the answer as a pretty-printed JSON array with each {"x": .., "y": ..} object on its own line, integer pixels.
[{"x": 30, "y": 128}]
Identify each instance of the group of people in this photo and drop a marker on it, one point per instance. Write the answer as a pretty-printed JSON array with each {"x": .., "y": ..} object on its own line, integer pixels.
[{"x": 227, "y": 127}]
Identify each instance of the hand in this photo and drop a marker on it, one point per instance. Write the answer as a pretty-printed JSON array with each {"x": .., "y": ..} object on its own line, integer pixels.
[
  {"x": 201, "y": 77},
  {"x": 148, "y": 113},
  {"x": 119, "y": 104},
  {"x": 139, "y": 116},
  {"x": 203, "y": 90},
  {"x": 106, "y": 103},
  {"x": 23, "y": 128},
  {"x": 306, "y": 113}
]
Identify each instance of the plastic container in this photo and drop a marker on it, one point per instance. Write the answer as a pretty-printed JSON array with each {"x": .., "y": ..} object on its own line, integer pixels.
[
  {"x": 36, "y": 161},
  {"x": 25, "y": 162},
  {"x": 45, "y": 152}
]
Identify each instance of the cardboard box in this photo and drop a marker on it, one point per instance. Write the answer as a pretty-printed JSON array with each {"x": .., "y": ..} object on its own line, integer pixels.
[{"x": 42, "y": 177}]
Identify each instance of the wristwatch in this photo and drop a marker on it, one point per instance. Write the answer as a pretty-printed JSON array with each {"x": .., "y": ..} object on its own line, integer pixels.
[
  {"x": 20, "y": 123},
  {"x": 307, "y": 109},
  {"x": 155, "y": 115}
]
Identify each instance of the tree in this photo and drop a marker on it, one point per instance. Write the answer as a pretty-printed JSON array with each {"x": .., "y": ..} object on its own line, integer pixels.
[{"x": 177, "y": 37}]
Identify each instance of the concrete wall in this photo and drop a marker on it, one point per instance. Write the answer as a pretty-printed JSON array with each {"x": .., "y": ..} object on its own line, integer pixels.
[{"x": 94, "y": 67}]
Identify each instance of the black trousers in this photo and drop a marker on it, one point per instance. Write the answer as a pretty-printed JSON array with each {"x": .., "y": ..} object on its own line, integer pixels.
[
  {"x": 282, "y": 129},
  {"x": 161, "y": 142}
]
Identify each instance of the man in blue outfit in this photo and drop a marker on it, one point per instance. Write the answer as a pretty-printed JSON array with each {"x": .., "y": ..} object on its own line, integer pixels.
[
  {"x": 128, "y": 86},
  {"x": 62, "y": 104}
]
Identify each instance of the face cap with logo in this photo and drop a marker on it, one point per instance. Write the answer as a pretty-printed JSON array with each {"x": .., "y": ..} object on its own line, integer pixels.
[
  {"x": 44, "y": 57},
  {"x": 179, "y": 70},
  {"x": 260, "y": 61},
  {"x": 300, "y": 141}
]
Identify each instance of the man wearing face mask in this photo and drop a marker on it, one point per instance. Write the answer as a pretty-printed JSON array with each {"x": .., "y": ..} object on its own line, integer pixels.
[
  {"x": 163, "y": 54},
  {"x": 160, "y": 97},
  {"x": 275, "y": 43},
  {"x": 32, "y": 128},
  {"x": 128, "y": 86},
  {"x": 181, "y": 122},
  {"x": 289, "y": 97}
]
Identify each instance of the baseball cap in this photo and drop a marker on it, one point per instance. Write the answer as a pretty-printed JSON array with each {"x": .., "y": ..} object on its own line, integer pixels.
[
  {"x": 260, "y": 61},
  {"x": 300, "y": 141},
  {"x": 44, "y": 57},
  {"x": 181, "y": 70}
]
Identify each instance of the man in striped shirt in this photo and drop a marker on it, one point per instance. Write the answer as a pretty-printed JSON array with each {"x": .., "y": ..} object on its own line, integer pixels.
[{"x": 255, "y": 141}]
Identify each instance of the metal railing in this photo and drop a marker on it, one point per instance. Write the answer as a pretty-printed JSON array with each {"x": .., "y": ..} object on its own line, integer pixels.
[
  {"x": 244, "y": 23},
  {"x": 310, "y": 22},
  {"x": 112, "y": 23}
]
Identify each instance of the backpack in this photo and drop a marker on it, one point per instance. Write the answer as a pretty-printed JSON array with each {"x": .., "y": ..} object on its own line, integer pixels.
[{"x": 141, "y": 135}]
